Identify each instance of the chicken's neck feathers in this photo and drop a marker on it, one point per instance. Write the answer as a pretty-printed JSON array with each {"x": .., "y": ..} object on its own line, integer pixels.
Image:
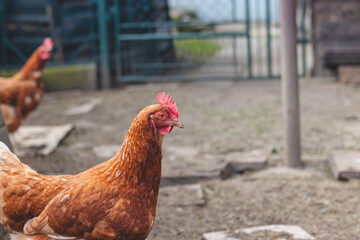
[
  {"x": 139, "y": 159},
  {"x": 33, "y": 64}
]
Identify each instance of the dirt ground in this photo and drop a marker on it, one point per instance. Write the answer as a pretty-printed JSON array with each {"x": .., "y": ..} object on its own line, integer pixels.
[{"x": 223, "y": 117}]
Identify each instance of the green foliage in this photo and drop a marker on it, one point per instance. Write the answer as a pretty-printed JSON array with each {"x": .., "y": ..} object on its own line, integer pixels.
[{"x": 196, "y": 50}]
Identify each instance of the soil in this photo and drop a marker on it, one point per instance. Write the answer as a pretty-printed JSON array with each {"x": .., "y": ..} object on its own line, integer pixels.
[{"x": 223, "y": 117}]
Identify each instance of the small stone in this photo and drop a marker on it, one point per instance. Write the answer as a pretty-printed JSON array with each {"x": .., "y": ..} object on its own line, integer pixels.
[
  {"x": 215, "y": 236},
  {"x": 41, "y": 139},
  {"x": 345, "y": 164},
  {"x": 238, "y": 162},
  {"x": 295, "y": 231},
  {"x": 270, "y": 232}
]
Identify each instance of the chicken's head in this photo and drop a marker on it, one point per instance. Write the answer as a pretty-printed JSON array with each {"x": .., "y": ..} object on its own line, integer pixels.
[
  {"x": 45, "y": 49},
  {"x": 167, "y": 117}
]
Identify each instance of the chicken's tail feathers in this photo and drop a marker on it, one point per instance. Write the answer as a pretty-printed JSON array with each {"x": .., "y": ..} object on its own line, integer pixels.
[
  {"x": 9, "y": 159},
  {"x": 20, "y": 236}
]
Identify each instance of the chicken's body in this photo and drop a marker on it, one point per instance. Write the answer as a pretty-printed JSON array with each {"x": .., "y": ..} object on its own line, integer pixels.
[
  {"x": 113, "y": 200},
  {"x": 21, "y": 93}
]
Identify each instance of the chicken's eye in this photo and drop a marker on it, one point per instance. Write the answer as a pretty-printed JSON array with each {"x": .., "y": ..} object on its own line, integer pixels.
[{"x": 162, "y": 115}]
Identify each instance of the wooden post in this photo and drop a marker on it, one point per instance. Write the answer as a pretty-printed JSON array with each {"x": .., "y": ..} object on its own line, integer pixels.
[{"x": 289, "y": 79}]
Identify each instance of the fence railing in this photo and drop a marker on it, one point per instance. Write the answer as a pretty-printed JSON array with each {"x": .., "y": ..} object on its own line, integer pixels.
[{"x": 157, "y": 40}]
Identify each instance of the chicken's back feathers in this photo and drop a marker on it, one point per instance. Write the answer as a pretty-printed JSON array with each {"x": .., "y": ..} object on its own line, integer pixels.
[{"x": 23, "y": 192}]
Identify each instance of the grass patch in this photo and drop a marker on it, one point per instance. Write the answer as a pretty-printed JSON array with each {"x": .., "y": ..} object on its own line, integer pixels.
[
  {"x": 197, "y": 50},
  {"x": 57, "y": 78}
]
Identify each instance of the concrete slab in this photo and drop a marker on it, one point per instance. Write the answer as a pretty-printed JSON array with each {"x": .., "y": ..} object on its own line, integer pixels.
[
  {"x": 83, "y": 108},
  {"x": 40, "y": 139},
  {"x": 238, "y": 162},
  {"x": 182, "y": 195},
  {"x": 345, "y": 164},
  {"x": 295, "y": 231},
  {"x": 270, "y": 232}
]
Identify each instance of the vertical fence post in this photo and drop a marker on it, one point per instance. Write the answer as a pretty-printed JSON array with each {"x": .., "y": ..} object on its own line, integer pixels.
[
  {"x": 289, "y": 79},
  {"x": 303, "y": 36},
  {"x": 248, "y": 38},
  {"x": 234, "y": 39},
  {"x": 268, "y": 38},
  {"x": 104, "y": 44},
  {"x": 118, "y": 57}
]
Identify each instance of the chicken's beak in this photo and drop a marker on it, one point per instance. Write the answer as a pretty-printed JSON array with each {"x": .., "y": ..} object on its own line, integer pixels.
[{"x": 177, "y": 123}]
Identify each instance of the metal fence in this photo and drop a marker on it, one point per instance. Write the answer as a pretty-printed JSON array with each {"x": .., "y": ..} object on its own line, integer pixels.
[
  {"x": 203, "y": 39},
  {"x": 155, "y": 40},
  {"x": 24, "y": 24}
]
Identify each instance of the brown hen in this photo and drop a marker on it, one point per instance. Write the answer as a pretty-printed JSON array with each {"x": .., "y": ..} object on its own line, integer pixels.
[
  {"x": 113, "y": 200},
  {"x": 21, "y": 93}
]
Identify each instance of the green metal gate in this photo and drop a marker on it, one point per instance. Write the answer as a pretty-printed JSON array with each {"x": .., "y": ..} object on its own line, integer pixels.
[{"x": 200, "y": 40}]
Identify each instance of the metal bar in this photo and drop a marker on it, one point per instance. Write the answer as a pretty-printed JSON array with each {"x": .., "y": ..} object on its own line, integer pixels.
[
  {"x": 140, "y": 25},
  {"x": 118, "y": 64},
  {"x": 303, "y": 36},
  {"x": 129, "y": 11},
  {"x": 104, "y": 44},
  {"x": 28, "y": 40},
  {"x": 3, "y": 33},
  {"x": 92, "y": 22},
  {"x": 234, "y": 45},
  {"x": 164, "y": 36},
  {"x": 26, "y": 18},
  {"x": 149, "y": 78},
  {"x": 290, "y": 89},
  {"x": 268, "y": 36},
  {"x": 249, "y": 56}
]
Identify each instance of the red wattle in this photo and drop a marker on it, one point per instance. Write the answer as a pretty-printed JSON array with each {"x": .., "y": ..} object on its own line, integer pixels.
[{"x": 165, "y": 130}]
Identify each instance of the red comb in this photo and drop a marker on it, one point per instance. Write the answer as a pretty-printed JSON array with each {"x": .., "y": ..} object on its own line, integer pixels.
[
  {"x": 48, "y": 43},
  {"x": 168, "y": 102}
]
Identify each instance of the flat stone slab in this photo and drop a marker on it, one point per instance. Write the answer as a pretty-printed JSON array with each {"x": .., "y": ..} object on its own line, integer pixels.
[
  {"x": 270, "y": 232},
  {"x": 238, "y": 162},
  {"x": 40, "y": 139},
  {"x": 83, "y": 108},
  {"x": 345, "y": 164},
  {"x": 182, "y": 195}
]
